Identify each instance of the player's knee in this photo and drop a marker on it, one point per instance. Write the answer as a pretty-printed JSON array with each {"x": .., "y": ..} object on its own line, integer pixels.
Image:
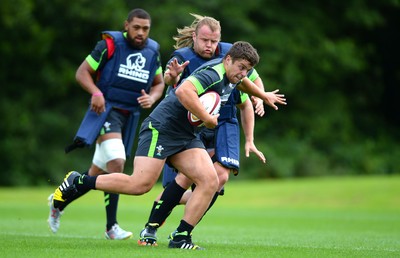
[
  {"x": 142, "y": 189},
  {"x": 223, "y": 178},
  {"x": 138, "y": 186},
  {"x": 213, "y": 183},
  {"x": 110, "y": 156},
  {"x": 223, "y": 174},
  {"x": 116, "y": 166},
  {"x": 209, "y": 182},
  {"x": 183, "y": 181},
  {"x": 215, "y": 186}
]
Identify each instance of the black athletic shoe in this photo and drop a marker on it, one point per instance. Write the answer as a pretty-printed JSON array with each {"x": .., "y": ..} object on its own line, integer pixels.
[
  {"x": 67, "y": 189},
  {"x": 182, "y": 240},
  {"x": 148, "y": 236}
]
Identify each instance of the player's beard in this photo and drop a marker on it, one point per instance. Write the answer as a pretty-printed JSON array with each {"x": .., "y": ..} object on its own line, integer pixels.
[{"x": 137, "y": 42}]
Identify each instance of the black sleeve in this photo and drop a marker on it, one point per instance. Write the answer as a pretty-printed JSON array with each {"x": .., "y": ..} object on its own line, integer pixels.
[{"x": 99, "y": 55}]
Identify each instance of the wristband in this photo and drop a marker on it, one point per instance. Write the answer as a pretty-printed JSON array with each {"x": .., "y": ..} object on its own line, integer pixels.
[{"x": 97, "y": 94}]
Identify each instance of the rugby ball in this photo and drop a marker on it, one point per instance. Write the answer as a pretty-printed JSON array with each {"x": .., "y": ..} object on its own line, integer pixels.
[{"x": 211, "y": 102}]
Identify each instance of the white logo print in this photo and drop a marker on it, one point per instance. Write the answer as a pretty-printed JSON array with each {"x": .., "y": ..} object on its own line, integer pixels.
[
  {"x": 230, "y": 160},
  {"x": 230, "y": 85},
  {"x": 159, "y": 148},
  {"x": 226, "y": 92},
  {"x": 107, "y": 126},
  {"x": 133, "y": 68}
]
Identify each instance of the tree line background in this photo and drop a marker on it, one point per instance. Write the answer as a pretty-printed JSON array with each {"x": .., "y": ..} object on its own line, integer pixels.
[{"x": 337, "y": 62}]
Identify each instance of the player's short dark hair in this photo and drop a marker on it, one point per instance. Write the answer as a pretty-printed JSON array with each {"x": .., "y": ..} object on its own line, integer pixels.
[
  {"x": 138, "y": 13},
  {"x": 244, "y": 50}
]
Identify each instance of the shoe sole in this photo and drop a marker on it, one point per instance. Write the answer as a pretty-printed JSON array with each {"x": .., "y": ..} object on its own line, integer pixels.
[
  {"x": 50, "y": 202},
  {"x": 144, "y": 243},
  {"x": 184, "y": 246},
  {"x": 126, "y": 238}
]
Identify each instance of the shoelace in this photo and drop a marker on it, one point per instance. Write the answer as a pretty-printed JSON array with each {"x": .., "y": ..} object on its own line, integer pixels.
[{"x": 116, "y": 229}]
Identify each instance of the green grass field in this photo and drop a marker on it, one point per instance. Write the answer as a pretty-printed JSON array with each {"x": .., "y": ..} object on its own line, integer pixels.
[{"x": 326, "y": 217}]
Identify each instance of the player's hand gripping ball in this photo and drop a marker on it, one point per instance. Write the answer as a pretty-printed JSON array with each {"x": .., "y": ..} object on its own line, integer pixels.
[{"x": 211, "y": 102}]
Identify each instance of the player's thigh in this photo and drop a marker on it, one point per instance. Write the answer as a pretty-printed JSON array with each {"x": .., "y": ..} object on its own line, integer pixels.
[
  {"x": 146, "y": 170},
  {"x": 195, "y": 164}
]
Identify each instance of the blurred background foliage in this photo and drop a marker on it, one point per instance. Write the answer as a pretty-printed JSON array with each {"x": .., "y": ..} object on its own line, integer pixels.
[{"x": 337, "y": 62}]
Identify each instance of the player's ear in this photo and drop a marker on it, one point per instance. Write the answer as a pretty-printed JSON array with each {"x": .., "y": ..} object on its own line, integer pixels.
[{"x": 228, "y": 58}]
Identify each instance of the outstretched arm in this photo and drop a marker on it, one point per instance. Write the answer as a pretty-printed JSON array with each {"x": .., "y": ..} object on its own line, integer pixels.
[
  {"x": 270, "y": 98},
  {"x": 257, "y": 102}
]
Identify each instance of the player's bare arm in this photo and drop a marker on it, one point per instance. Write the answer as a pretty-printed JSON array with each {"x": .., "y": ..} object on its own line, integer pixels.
[
  {"x": 258, "y": 103},
  {"x": 247, "y": 121},
  {"x": 84, "y": 76},
  {"x": 187, "y": 95},
  {"x": 270, "y": 98}
]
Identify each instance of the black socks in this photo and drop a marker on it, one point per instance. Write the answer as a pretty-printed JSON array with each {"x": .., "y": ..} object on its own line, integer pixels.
[
  {"x": 111, "y": 202},
  {"x": 152, "y": 211},
  {"x": 170, "y": 198},
  {"x": 183, "y": 231},
  {"x": 85, "y": 183}
]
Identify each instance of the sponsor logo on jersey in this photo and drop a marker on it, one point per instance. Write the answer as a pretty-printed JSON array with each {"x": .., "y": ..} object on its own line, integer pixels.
[{"x": 133, "y": 69}]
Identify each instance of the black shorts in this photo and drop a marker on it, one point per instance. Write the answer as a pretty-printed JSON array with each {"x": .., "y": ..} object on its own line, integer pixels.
[
  {"x": 114, "y": 123},
  {"x": 207, "y": 136},
  {"x": 161, "y": 143}
]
